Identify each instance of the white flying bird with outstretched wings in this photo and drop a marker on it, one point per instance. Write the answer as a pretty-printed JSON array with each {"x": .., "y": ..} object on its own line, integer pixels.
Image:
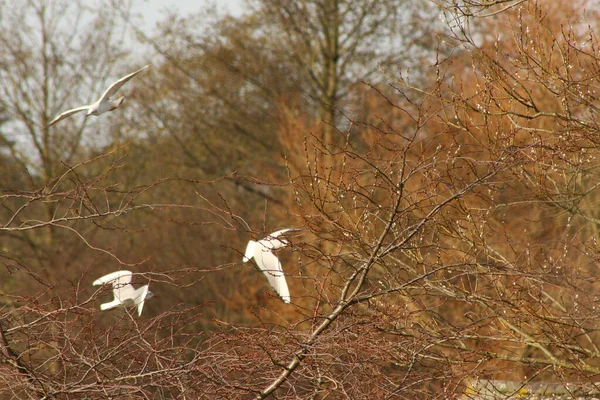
[
  {"x": 125, "y": 294},
  {"x": 103, "y": 104},
  {"x": 268, "y": 263}
]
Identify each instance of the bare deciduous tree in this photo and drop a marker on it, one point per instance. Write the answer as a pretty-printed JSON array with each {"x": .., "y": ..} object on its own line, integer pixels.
[{"x": 56, "y": 56}]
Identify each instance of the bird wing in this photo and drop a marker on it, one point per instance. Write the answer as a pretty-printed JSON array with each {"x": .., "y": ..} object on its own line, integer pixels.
[
  {"x": 140, "y": 298},
  {"x": 118, "y": 278},
  {"x": 249, "y": 251},
  {"x": 68, "y": 113},
  {"x": 269, "y": 264},
  {"x": 282, "y": 231},
  {"x": 272, "y": 241},
  {"x": 121, "y": 283},
  {"x": 117, "y": 85}
]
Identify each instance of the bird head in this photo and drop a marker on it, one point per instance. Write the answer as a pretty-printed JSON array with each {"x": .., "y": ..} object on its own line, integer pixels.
[{"x": 149, "y": 295}]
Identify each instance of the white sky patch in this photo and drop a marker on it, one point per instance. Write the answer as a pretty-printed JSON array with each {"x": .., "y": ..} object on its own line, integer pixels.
[{"x": 154, "y": 11}]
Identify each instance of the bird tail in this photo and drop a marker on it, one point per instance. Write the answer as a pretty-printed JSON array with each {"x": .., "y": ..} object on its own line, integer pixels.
[{"x": 116, "y": 103}]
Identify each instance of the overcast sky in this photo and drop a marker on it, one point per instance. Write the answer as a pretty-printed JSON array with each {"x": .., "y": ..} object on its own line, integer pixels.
[{"x": 154, "y": 10}]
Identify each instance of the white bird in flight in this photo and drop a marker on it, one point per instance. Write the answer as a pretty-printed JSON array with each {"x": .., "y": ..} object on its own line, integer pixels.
[
  {"x": 104, "y": 104},
  {"x": 125, "y": 293},
  {"x": 268, "y": 263}
]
